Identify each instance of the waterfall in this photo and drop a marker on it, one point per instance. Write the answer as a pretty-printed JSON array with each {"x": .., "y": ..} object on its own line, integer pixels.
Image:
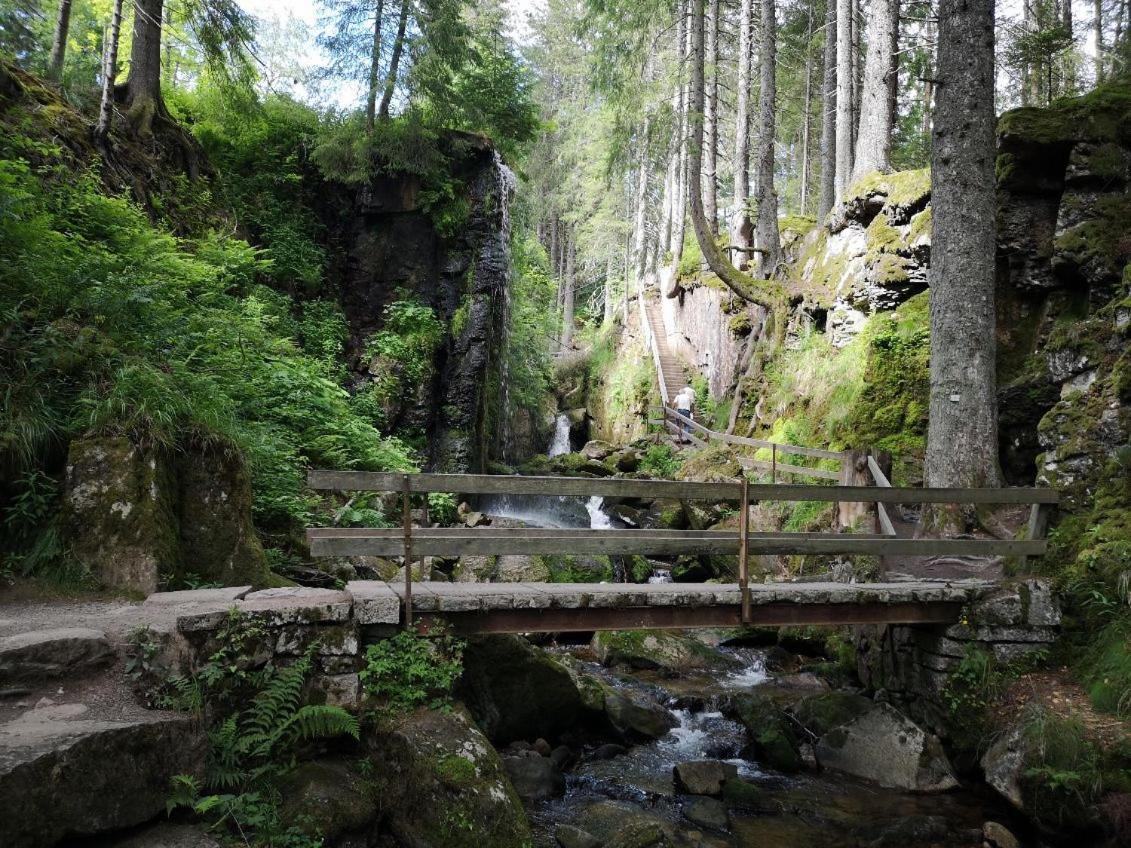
[
  {"x": 505, "y": 184},
  {"x": 559, "y": 444},
  {"x": 597, "y": 518}
]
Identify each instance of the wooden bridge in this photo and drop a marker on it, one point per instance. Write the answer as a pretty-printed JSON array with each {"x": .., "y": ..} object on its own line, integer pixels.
[{"x": 531, "y": 607}]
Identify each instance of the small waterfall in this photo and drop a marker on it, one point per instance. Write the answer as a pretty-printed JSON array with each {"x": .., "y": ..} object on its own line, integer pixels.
[
  {"x": 597, "y": 518},
  {"x": 560, "y": 443},
  {"x": 505, "y": 184},
  {"x": 660, "y": 575}
]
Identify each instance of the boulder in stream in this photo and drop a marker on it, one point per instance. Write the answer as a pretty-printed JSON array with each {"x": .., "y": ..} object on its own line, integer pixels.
[
  {"x": 886, "y": 747},
  {"x": 704, "y": 777},
  {"x": 668, "y": 651},
  {"x": 516, "y": 691},
  {"x": 534, "y": 778}
]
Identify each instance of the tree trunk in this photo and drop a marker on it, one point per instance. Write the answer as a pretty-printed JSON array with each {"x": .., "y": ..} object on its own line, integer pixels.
[
  {"x": 711, "y": 122},
  {"x": 109, "y": 74},
  {"x": 640, "y": 212},
  {"x": 857, "y": 74},
  {"x": 59, "y": 42},
  {"x": 828, "y": 116},
  {"x": 962, "y": 445},
  {"x": 679, "y": 199},
  {"x": 607, "y": 316},
  {"x": 568, "y": 294},
  {"x": 741, "y": 228},
  {"x": 1031, "y": 88},
  {"x": 769, "y": 238},
  {"x": 807, "y": 116},
  {"x": 1069, "y": 57},
  {"x": 374, "y": 69},
  {"x": 1098, "y": 30},
  {"x": 143, "y": 86},
  {"x": 844, "y": 75},
  {"x": 395, "y": 61},
  {"x": 755, "y": 291},
  {"x": 929, "y": 82},
  {"x": 873, "y": 146}
]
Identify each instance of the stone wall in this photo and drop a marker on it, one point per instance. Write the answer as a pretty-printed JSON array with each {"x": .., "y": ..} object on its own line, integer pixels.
[
  {"x": 707, "y": 327},
  {"x": 911, "y": 663}
]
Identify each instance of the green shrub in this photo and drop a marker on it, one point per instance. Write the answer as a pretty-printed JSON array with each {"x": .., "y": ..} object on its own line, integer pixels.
[
  {"x": 660, "y": 461},
  {"x": 408, "y": 671},
  {"x": 1063, "y": 774},
  {"x": 968, "y": 694}
]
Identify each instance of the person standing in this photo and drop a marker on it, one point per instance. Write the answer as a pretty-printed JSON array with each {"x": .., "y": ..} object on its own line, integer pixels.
[{"x": 685, "y": 405}]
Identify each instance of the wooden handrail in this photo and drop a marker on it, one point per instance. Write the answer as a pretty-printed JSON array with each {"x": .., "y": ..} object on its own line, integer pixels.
[
  {"x": 882, "y": 481},
  {"x": 503, "y": 484},
  {"x": 462, "y": 541},
  {"x": 818, "y": 453}
]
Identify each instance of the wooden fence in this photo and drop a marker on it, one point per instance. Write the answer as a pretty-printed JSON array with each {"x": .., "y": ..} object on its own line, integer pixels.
[{"x": 409, "y": 542}]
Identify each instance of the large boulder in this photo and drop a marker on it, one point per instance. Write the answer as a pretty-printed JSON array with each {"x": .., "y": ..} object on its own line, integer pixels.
[
  {"x": 534, "y": 777},
  {"x": 886, "y": 747},
  {"x": 819, "y": 714},
  {"x": 516, "y": 691},
  {"x": 328, "y": 798},
  {"x": 771, "y": 733},
  {"x": 703, "y": 777},
  {"x": 637, "y": 718},
  {"x": 69, "y": 652},
  {"x": 64, "y": 776},
  {"x": 442, "y": 784},
  {"x": 134, "y": 514},
  {"x": 165, "y": 835},
  {"x": 1004, "y": 764},
  {"x": 669, "y": 651},
  {"x": 121, "y": 512}
]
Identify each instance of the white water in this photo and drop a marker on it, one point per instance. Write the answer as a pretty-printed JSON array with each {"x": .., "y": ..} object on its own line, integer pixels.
[
  {"x": 660, "y": 575},
  {"x": 597, "y": 518},
  {"x": 752, "y": 675},
  {"x": 560, "y": 443}
]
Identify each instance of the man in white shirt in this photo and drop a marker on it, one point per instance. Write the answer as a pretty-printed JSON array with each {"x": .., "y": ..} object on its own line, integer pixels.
[{"x": 684, "y": 405}]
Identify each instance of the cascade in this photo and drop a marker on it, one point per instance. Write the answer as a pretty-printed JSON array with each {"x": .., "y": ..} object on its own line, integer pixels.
[{"x": 560, "y": 443}]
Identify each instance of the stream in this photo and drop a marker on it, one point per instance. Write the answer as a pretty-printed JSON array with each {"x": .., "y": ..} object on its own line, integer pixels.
[
  {"x": 635, "y": 788},
  {"x": 811, "y": 810}
]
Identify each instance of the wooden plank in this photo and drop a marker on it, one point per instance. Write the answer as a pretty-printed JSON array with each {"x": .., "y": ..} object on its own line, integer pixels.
[
  {"x": 786, "y": 468},
  {"x": 877, "y": 474},
  {"x": 502, "y": 484},
  {"x": 756, "y": 443},
  {"x": 885, "y": 522},
  {"x": 585, "y": 619},
  {"x": 624, "y": 542}
]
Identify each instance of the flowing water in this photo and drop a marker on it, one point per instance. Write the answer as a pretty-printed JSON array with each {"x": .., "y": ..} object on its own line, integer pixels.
[
  {"x": 559, "y": 444},
  {"x": 792, "y": 811}
]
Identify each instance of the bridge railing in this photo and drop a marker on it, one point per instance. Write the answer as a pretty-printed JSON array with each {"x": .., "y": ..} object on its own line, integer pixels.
[{"x": 409, "y": 542}]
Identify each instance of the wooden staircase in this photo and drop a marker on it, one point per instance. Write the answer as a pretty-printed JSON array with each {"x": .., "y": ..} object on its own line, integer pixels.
[{"x": 671, "y": 371}]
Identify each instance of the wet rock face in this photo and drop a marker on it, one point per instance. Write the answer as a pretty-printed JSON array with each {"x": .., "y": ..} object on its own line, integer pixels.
[
  {"x": 393, "y": 250},
  {"x": 136, "y": 514}
]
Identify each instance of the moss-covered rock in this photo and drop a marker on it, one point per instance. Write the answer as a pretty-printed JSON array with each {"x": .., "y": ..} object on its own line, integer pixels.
[
  {"x": 139, "y": 516},
  {"x": 516, "y": 691},
  {"x": 821, "y": 713},
  {"x": 770, "y": 731},
  {"x": 669, "y": 651},
  {"x": 329, "y": 798},
  {"x": 442, "y": 785}
]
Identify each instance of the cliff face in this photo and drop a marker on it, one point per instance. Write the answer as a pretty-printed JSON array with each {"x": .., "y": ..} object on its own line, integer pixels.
[{"x": 390, "y": 250}]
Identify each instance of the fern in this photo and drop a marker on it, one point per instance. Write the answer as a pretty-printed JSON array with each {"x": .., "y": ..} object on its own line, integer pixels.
[{"x": 251, "y": 749}]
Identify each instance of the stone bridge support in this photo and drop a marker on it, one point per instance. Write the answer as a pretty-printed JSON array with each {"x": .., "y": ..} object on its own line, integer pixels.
[{"x": 911, "y": 663}]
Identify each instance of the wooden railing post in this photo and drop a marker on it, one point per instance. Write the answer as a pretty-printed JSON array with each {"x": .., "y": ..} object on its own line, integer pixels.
[
  {"x": 774, "y": 463},
  {"x": 407, "y": 507},
  {"x": 1038, "y": 523},
  {"x": 743, "y": 549}
]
